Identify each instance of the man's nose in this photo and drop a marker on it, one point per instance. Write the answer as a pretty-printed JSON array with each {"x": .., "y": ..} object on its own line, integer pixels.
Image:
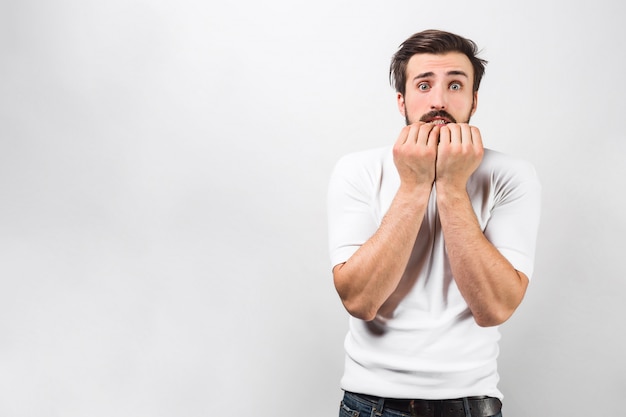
[{"x": 438, "y": 98}]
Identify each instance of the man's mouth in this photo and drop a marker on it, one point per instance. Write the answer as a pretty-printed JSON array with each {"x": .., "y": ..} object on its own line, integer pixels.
[{"x": 438, "y": 117}]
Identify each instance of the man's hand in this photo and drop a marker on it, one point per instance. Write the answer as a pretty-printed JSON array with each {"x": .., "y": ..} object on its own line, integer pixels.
[
  {"x": 459, "y": 153},
  {"x": 415, "y": 153}
]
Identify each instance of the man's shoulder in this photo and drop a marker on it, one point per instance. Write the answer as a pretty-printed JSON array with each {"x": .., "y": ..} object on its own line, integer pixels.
[
  {"x": 500, "y": 159},
  {"x": 367, "y": 156},
  {"x": 504, "y": 165},
  {"x": 368, "y": 160}
]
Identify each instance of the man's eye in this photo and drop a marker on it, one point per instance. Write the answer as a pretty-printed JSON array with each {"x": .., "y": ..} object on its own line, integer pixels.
[
  {"x": 455, "y": 86},
  {"x": 423, "y": 87}
]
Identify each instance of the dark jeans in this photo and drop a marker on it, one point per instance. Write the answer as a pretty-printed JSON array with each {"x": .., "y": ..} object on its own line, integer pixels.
[{"x": 353, "y": 406}]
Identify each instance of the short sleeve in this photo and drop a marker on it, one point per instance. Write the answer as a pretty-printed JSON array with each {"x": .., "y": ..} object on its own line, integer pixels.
[
  {"x": 514, "y": 221},
  {"x": 351, "y": 218}
]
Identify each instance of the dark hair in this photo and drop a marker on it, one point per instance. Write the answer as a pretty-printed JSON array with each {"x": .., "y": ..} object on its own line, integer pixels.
[{"x": 433, "y": 42}]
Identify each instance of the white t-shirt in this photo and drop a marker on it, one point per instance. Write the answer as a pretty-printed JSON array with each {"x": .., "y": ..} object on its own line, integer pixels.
[{"x": 430, "y": 347}]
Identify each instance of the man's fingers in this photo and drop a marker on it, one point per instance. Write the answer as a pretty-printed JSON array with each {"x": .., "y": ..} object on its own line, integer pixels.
[
  {"x": 433, "y": 136},
  {"x": 444, "y": 134},
  {"x": 477, "y": 140},
  {"x": 455, "y": 133},
  {"x": 465, "y": 134},
  {"x": 403, "y": 136},
  {"x": 425, "y": 132}
]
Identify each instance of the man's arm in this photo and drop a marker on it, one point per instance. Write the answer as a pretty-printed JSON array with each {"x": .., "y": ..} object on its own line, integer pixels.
[
  {"x": 492, "y": 288},
  {"x": 373, "y": 272}
]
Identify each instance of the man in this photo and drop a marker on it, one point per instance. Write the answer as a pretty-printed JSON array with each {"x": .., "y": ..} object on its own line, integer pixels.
[{"x": 432, "y": 243}]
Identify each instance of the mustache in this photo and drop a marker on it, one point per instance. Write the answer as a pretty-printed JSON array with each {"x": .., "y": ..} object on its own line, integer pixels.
[{"x": 437, "y": 113}]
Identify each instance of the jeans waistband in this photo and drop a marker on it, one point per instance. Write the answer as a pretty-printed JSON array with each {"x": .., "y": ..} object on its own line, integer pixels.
[{"x": 458, "y": 407}]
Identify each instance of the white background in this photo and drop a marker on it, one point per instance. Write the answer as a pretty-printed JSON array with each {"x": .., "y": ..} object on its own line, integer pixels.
[{"x": 163, "y": 173}]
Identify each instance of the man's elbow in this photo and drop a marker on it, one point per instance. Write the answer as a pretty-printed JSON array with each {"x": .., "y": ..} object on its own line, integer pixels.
[
  {"x": 353, "y": 299},
  {"x": 359, "y": 309},
  {"x": 500, "y": 310},
  {"x": 493, "y": 317}
]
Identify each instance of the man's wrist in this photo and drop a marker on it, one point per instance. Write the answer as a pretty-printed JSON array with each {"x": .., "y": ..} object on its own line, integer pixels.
[
  {"x": 450, "y": 192},
  {"x": 414, "y": 191}
]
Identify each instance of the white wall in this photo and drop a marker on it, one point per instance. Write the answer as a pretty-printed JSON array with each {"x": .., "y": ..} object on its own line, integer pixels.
[{"x": 163, "y": 170}]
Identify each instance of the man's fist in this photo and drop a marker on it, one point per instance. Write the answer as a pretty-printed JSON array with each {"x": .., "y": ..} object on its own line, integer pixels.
[
  {"x": 459, "y": 153},
  {"x": 415, "y": 153}
]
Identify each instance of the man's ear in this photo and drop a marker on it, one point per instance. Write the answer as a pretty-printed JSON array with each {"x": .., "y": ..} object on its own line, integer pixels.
[
  {"x": 401, "y": 105},
  {"x": 475, "y": 103}
]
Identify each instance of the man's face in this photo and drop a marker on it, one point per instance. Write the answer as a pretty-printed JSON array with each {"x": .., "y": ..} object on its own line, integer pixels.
[{"x": 438, "y": 89}]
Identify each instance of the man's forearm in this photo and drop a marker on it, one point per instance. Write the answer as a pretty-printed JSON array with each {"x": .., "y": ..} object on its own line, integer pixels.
[
  {"x": 492, "y": 288},
  {"x": 372, "y": 274}
]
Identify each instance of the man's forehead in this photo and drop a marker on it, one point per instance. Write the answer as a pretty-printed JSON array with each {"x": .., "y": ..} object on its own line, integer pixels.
[{"x": 454, "y": 63}]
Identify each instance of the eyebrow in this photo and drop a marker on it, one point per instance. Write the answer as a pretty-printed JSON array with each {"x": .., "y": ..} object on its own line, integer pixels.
[{"x": 432, "y": 74}]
